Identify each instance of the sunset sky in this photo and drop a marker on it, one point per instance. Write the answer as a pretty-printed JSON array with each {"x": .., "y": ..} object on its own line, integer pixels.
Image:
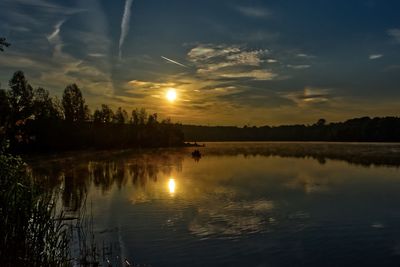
[{"x": 229, "y": 62}]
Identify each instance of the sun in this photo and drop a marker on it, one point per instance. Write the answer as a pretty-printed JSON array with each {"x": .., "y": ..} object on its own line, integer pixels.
[{"x": 171, "y": 95}]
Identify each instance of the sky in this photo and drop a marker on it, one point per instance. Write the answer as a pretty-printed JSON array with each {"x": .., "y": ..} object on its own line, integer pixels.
[{"x": 230, "y": 62}]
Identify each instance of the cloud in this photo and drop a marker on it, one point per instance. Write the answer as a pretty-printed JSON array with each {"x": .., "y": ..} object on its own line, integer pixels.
[
  {"x": 395, "y": 34},
  {"x": 241, "y": 58},
  {"x": 251, "y": 58},
  {"x": 49, "y": 32},
  {"x": 299, "y": 67},
  {"x": 375, "y": 56},
  {"x": 150, "y": 85},
  {"x": 230, "y": 61},
  {"x": 302, "y": 55},
  {"x": 13, "y": 28},
  {"x": 96, "y": 55},
  {"x": 125, "y": 24},
  {"x": 261, "y": 75},
  {"x": 55, "y": 39},
  {"x": 54, "y": 35},
  {"x": 311, "y": 96},
  {"x": 254, "y": 12},
  {"x": 204, "y": 52},
  {"x": 173, "y": 62},
  {"x": 45, "y": 6},
  {"x": 258, "y": 98}
]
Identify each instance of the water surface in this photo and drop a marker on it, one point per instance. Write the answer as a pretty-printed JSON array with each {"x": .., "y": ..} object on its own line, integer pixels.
[{"x": 240, "y": 204}]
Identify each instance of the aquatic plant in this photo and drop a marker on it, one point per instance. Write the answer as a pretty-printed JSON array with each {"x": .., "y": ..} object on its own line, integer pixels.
[{"x": 32, "y": 233}]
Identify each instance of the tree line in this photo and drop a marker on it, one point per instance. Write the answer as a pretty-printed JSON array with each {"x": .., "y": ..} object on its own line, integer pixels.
[
  {"x": 365, "y": 129},
  {"x": 33, "y": 120}
]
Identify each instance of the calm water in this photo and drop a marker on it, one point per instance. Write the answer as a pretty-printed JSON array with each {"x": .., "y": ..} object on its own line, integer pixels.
[{"x": 241, "y": 204}]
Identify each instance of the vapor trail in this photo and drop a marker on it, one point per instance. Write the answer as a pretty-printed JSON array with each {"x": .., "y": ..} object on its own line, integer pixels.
[
  {"x": 125, "y": 24},
  {"x": 173, "y": 61}
]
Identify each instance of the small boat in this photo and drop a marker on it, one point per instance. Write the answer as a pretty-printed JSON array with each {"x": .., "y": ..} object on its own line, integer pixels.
[
  {"x": 196, "y": 154},
  {"x": 195, "y": 144}
]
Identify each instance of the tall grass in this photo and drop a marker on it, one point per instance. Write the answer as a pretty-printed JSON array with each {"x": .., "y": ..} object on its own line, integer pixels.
[{"x": 31, "y": 233}]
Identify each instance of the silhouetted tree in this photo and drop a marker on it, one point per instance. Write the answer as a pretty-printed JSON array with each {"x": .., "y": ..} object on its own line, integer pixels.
[
  {"x": 74, "y": 104},
  {"x": 142, "y": 116},
  {"x": 321, "y": 122},
  {"x": 43, "y": 107},
  {"x": 58, "y": 108},
  {"x": 139, "y": 116},
  {"x": 121, "y": 116},
  {"x": 152, "y": 119},
  {"x": 104, "y": 115},
  {"x": 135, "y": 117},
  {"x": 20, "y": 97},
  {"x": 3, "y": 43},
  {"x": 5, "y": 110},
  {"x": 87, "y": 115},
  {"x": 32, "y": 120}
]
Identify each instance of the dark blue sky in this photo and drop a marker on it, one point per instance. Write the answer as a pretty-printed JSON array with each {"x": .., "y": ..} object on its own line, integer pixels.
[{"x": 230, "y": 62}]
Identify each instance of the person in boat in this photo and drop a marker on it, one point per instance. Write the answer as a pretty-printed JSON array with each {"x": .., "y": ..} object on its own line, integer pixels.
[{"x": 196, "y": 153}]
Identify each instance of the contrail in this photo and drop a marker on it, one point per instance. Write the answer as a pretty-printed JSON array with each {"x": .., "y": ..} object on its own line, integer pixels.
[
  {"x": 125, "y": 24},
  {"x": 55, "y": 33},
  {"x": 173, "y": 61}
]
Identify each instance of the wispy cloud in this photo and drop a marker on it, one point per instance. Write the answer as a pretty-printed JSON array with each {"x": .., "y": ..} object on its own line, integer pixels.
[
  {"x": 303, "y": 55},
  {"x": 311, "y": 96},
  {"x": 299, "y": 67},
  {"x": 375, "y": 56},
  {"x": 242, "y": 58},
  {"x": 213, "y": 57},
  {"x": 96, "y": 55},
  {"x": 174, "y": 62},
  {"x": 255, "y": 12},
  {"x": 261, "y": 75},
  {"x": 125, "y": 24},
  {"x": 55, "y": 39},
  {"x": 45, "y": 6},
  {"x": 204, "y": 52},
  {"x": 230, "y": 62},
  {"x": 395, "y": 34},
  {"x": 150, "y": 85},
  {"x": 45, "y": 28},
  {"x": 57, "y": 28}
]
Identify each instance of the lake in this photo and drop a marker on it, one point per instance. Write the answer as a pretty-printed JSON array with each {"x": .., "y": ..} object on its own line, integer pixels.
[{"x": 240, "y": 204}]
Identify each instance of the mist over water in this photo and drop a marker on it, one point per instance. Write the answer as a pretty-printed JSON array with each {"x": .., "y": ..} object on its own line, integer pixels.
[{"x": 244, "y": 204}]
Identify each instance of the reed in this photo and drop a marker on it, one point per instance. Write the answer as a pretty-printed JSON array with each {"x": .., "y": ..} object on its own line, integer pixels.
[{"x": 32, "y": 233}]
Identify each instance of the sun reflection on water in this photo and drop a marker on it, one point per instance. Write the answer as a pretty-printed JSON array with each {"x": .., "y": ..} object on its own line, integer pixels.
[{"x": 171, "y": 185}]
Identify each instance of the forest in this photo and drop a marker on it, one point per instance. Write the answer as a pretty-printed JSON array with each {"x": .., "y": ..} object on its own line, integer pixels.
[
  {"x": 33, "y": 121},
  {"x": 365, "y": 129}
]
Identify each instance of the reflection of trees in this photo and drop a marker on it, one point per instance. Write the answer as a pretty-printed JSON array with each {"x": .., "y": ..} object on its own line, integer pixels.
[
  {"x": 360, "y": 154},
  {"x": 66, "y": 176},
  {"x": 74, "y": 176},
  {"x": 143, "y": 169},
  {"x": 75, "y": 188},
  {"x": 103, "y": 174}
]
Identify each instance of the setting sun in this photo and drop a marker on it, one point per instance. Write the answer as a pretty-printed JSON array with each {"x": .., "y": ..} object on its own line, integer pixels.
[{"x": 171, "y": 95}]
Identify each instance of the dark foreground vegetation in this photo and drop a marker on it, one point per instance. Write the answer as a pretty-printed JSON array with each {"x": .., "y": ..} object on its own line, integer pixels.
[
  {"x": 31, "y": 233},
  {"x": 364, "y": 129},
  {"x": 34, "y": 121}
]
